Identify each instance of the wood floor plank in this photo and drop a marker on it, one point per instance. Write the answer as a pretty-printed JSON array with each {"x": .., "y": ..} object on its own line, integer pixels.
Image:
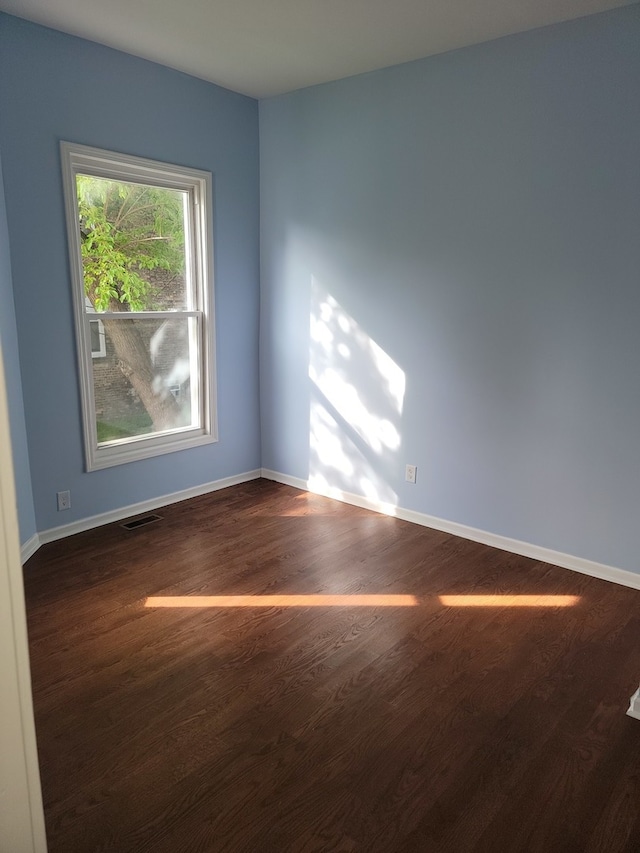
[{"x": 434, "y": 727}]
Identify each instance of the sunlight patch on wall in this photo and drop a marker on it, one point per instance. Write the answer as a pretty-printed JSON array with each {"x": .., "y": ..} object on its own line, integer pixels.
[{"x": 356, "y": 404}]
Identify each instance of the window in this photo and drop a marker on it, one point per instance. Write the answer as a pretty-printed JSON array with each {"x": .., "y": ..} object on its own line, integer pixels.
[
  {"x": 98, "y": 345},
  {"x": 96, "y": 332},
  {"x": 139, "y": 240}
]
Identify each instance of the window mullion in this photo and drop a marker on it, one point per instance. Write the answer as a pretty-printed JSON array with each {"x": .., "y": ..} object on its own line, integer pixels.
[{"x": 141, "y": 315}]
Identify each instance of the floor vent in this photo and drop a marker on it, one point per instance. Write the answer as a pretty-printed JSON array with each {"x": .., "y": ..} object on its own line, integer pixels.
[{"x": 140, "y": 522}]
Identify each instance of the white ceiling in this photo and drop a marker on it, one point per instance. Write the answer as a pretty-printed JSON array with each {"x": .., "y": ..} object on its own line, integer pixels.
[{"x": 267, "y": 47}]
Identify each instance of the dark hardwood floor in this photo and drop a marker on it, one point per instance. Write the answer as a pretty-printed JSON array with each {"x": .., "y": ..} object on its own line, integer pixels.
[{"x": 434, "y": 727}]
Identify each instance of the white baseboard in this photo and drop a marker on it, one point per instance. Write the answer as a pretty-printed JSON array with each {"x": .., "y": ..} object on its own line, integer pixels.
[
  {"x": 29, "y": 548},
  {"x": 144, "y": 506},
  {"x": 514, "y": 546},
  {"x": 634, "y": 706}
]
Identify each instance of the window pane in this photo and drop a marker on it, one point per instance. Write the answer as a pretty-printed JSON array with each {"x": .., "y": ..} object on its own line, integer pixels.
[
  {"x": 133, "y": 242},
  {"x": 147, "y": 383}
]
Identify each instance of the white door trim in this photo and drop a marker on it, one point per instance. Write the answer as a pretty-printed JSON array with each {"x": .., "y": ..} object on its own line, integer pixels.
[{"x": 22, "y": 828}]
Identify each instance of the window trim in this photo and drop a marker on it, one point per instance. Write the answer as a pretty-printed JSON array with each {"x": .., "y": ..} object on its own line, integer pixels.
[
  {"x": 101, "y": 352},
  {"x": 82, "y": 159}
]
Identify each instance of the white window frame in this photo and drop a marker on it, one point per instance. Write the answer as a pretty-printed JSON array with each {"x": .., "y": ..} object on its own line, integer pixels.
[
  {"x": 101, "y": 352},
  {"x": 84, "y": 160},
  {"x": 102, "y": 346}
]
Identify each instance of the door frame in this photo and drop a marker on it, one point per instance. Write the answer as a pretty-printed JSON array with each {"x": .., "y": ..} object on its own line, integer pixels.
[{"x": 22, "y": 827}]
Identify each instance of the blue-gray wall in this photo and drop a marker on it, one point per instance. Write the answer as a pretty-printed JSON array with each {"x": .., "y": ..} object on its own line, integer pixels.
[
  {"x": 450, "y": 263},
  {"x": 463, "y": 233},
  {"x": 56, "y": 87},
  {"x": 9, "y": 344}
]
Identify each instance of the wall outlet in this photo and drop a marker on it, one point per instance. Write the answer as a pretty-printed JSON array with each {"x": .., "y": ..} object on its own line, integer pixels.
[
  {"x": 64, "y": 500},
  {"x": 410, "y": 473}
]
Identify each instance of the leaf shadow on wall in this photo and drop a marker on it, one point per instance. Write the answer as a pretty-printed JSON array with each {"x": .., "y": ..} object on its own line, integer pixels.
[{"x": 356, "y": 402}]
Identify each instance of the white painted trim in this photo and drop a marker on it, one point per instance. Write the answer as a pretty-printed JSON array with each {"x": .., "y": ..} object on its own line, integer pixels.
[
  {"x": 198, "y": 185},
  {"x": 634, "y": 706},
  {"x": 143, "y": 506},
  {"x": 101, "y": 352},
  {"x": 22, "y": 828},
  {"x": 336, "y": 494},
  {"x": 514, "y": 546},
  {"x": 29, "y": 548}
]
